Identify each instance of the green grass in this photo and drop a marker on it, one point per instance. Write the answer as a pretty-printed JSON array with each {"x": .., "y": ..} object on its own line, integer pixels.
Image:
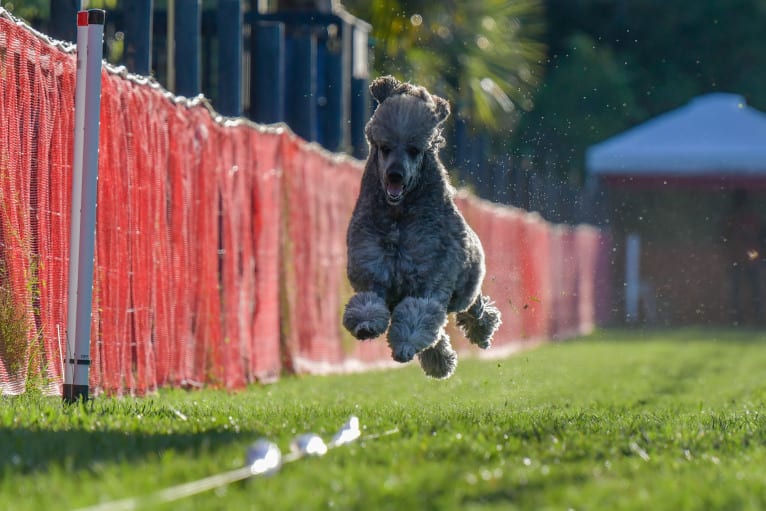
[{"x": 619, "y": 420}]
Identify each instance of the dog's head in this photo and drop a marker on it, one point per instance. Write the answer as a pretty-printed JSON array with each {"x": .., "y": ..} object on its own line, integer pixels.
[{"x": 405, "y": 126}]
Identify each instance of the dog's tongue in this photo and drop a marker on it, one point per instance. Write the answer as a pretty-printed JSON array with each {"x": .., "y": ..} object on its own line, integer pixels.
[{"x": 394, "y": 189}]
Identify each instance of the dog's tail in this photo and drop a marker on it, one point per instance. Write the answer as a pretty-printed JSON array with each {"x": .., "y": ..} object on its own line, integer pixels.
[{"x": 480, "y": 321}]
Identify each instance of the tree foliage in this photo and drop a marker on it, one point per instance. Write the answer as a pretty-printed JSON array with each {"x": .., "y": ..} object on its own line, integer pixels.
[
  {"x": 586, "y": 97},
  {"x": 27, "y": 9},
  {"x": 484, "y": 55}
]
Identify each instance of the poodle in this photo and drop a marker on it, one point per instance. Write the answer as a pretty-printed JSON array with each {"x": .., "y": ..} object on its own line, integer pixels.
[{"x": 412, "y": 259}]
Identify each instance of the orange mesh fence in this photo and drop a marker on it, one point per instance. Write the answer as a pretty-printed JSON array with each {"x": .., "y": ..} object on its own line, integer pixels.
[
  {"x": 586, "y": 247},
  {"x": 187, "y": 261},
  {"x": 220, "y": 245},
  {"x": 319, "y": 196},
  {"x": 564, "y": 278},
  {"x": 549, "y": 281},
  {"x": 187, "y": 232},
  {"x": 35, "y": 147}
]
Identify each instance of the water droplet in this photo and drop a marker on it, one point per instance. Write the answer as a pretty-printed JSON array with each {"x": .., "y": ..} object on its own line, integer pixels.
[
  {"x": 263, "y": 457},
  {"x": 347, "y": 433},
  {"x": 309, "y": 444}
]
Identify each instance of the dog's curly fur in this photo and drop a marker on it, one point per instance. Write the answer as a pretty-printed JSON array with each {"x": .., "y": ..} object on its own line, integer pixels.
[{"x": 412, "y": 259}]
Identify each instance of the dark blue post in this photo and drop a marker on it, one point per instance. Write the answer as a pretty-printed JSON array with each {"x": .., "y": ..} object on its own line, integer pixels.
[
  {"x": 63, "y": 20},
  {"x": 502, "y": 182},
  {"x": 334, "y": 109},
  {"x": 361, "y": 102},
  {"x": 138, "y": 37},
  {"x": 461, "y": 149},
  {"x": 188, "y": 47},
  {"x": 360, "y": 114},
  {"x": 483, "y": 169},
  {"x": 229, "y": 27},
  {"x": 268, "y": 83},
  {"x": 301, "y": 76}
]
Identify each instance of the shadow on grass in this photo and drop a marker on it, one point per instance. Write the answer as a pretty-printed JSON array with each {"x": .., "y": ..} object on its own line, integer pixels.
[
  {"x": 29, "y": 450},
  {"x": 524, "y": 494}
]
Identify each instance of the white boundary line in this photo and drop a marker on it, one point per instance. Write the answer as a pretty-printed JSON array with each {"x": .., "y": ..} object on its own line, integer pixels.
[{"x": 180, "y": 491}]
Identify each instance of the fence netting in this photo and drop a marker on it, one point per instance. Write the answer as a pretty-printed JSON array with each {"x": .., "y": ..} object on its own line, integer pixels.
[{"x": 220, "y": 245}]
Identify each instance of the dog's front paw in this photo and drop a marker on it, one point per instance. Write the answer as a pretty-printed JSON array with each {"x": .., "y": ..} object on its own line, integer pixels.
[
  {"x": 403, "y": 352},
  {"x": 366, "y": 316},
  {"x": 415, "y": 325},
  {"x": 366, "y": 330}
]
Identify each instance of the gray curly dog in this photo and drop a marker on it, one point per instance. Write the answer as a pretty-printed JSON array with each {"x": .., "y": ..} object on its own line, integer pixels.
[{"x": 412, "y": 259}]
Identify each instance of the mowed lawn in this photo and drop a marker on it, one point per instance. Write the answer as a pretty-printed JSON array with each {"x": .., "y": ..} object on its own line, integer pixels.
[{"x": 618, "y": 420}]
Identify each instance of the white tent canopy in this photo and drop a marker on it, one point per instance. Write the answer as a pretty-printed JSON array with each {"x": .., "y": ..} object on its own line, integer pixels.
[{"x": 713, "y": 136}]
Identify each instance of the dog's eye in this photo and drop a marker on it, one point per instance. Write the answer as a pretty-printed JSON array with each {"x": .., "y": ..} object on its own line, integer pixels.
[
  {"x": 413, "y": 151},
  {"x": 385, "y": 150}
]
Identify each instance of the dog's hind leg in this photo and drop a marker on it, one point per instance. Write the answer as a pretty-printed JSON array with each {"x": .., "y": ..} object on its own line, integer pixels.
[
  {"x": 440, "y": 360},
  {"x": 480, "y": 321},
  {"x": 366, "y": 315},
  {"x": 415, "y": 325}
]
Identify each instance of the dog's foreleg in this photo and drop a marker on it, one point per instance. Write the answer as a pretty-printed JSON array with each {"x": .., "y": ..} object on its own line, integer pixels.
[
  {"x": 366, "y": 315},
  {"x": 415, "y": 325}
]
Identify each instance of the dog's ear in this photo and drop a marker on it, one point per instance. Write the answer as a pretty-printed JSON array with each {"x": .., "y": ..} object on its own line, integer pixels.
[
  {"x": 442, "y": 108},
  {"x": 383, "y": 87}
]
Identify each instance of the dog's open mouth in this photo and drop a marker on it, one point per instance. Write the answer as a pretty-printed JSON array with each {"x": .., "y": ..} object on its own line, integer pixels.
[{"x": 394, "y": 192}]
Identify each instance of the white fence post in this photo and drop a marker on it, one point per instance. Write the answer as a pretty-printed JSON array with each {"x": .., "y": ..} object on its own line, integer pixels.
[{"x": 90, "y": 34}]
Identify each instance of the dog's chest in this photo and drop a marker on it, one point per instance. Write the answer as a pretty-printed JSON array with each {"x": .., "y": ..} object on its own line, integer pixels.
[
  {"x": 391, "y": 240},
  {"x": 401, "y": 257}
]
